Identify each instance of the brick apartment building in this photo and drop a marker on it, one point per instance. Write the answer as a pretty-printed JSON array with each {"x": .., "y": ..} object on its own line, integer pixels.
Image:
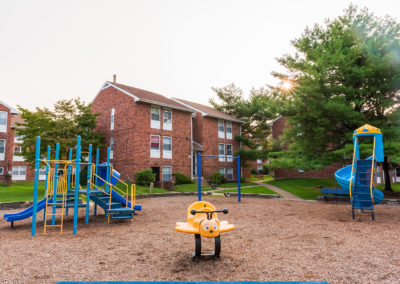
[
  {"x": 279, "y": 124},
  {"x": 214, "y": 134},
  {"x": 147, "y": 130},
  {"x": 12, "y": 167}
]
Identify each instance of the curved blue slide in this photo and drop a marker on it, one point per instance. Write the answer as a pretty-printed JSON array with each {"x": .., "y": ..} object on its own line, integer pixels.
[
  {"x": 27, "y": 212},
  {"x": 343, "y": 178}
]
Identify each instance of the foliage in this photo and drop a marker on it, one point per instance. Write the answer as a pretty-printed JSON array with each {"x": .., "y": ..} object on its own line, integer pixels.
[
  {"x": 182, "y": 179},
  {"x": 217, "y": 178},
  {"x": 69, "y": 119},
  {"x": 145, "y": 177},
  {"x": 344, "y": 74}
]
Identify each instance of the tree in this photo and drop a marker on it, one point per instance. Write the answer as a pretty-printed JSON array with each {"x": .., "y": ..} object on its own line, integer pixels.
[
  {"x": 345, "y": 73},
  {"x": 255, "y": 112},
  {"x": 69, "y": 119}
]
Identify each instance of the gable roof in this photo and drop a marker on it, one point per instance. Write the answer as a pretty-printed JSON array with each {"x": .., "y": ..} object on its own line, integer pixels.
[
  {"x": 207, "y": 111},
  {"x": 12, "y": 110},
  {"x": 141, "y": 95}
]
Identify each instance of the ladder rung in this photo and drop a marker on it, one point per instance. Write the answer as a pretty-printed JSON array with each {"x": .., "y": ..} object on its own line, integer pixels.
[
  {"x": 53, "y": 226},
  {"x": 54, "y": 214},
  {"x": 55, "y": 203}
]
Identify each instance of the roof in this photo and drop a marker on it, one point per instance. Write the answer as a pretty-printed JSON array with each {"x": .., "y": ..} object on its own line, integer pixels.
[
  {"x": 207, "y": 110},
  {"x": 12, "y": 110},
  {"x": 146, "y": 96},
  {"x": 367, "y": 129},
  {"x": 16, "y": 119}
]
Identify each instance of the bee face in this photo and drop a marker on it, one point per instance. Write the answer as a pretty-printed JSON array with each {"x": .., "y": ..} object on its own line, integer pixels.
[{"x": 209, "y": 229}]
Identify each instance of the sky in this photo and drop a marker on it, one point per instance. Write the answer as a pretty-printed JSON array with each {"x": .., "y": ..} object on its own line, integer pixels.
[{"x": 53, "y": 50}]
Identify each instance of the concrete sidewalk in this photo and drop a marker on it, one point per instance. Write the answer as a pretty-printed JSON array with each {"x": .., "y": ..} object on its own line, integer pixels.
[{"x": 281, "y": 192}]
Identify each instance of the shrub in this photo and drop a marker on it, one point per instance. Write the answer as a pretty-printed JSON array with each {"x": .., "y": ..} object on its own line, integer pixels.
[
  {"x": 145, "y": 177},
  {"x": 254, "y": 171},
  {"x": 182, "y": 179},
  {"x": 217, "y": 178}
]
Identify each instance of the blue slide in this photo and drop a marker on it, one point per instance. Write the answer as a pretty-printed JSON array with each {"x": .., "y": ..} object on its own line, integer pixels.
[
  {"x": 123, "y": 201},
  {"x": 343, "y": 178},
  {"x": 27, "y": 212}
]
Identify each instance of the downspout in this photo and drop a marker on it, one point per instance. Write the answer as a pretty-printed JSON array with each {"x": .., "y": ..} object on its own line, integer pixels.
[{"x": 191, "y": 146}]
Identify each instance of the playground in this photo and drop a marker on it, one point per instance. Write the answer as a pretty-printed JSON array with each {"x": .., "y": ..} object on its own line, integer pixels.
[{"x": 274, "y": 240}]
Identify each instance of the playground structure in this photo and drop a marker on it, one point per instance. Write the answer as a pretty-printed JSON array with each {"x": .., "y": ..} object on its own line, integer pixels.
[
  {"x": 215, "y": 156},
  {"x": 62, "y": 189},
  {"x": 358, "y": 179},
  {"x": 202, "y": 221}
]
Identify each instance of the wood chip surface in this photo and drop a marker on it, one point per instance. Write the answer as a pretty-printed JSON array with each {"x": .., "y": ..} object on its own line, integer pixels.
[{"x": 275, "y": 240}]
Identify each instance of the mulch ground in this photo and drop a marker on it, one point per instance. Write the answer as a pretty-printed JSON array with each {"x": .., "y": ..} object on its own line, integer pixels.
[{"x": 274, "y": 240}]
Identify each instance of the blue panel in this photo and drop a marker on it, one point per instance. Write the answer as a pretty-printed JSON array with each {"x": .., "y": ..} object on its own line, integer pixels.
[{"x": 103, "y": 174}]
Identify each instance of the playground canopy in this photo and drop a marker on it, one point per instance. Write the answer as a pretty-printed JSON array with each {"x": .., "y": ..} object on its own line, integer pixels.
[{"x": 369, "y": 131}]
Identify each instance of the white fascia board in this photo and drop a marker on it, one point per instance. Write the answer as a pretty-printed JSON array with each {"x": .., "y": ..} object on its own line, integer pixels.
[
  {"x": 12, "y": 110},
  {"x": 107, "y": 85},
  {"x": 224, "y": 118},
  {"x": 164, "y": 105},
  {"x": 189, "y": 106}
]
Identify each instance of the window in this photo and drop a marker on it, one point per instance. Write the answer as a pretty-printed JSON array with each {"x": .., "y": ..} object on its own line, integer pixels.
[
  {"x": 301, "y": 171},
  {"x": 112, "y": 118},
  {"x": 259, "y": 161},
  {"x": 259, "y": 169},
  {"x": 111, "y": 147},
  {"x": 16, "y": 157},
  {"x": 1, "y": 171},
  {"x": 228, "y": 130},
  {"x": 18, "y": 172},
  {"x": 42, "y": 173},
  {"x": 229, "y": 152},
  {"x": 167, "y": 174},
  {"x": 155, "y": 117},
  {"x": 221, "y": 152},
  {"x": 154, "y": 146},
  {"x": 18, "y": 138},
  {"x": 221, "y": 129},
  {"x": 2, "y": 149},
  {"x": 167, "y": 119},
  {"x": 167, "y": 147},
  {"x": 222, "y": 171},
  {"x": 3, "y": 121},
  {"x": 229, "y": 174}
]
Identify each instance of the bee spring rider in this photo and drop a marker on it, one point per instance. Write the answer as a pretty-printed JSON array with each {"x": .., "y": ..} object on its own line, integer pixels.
[{"x": 202, "y": 221}]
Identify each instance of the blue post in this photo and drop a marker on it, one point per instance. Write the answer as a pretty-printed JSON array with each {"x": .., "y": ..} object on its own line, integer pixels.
[
  {"x": 199, "y": 175},
  {"x": 69, "y": 178},
  {"x": 47, "y": 178},
  {"x": 238, "y": 169},
  {"x": 88, "y": 183},
  {"x": 36, "y": 185},
  {"x": 53, "y": 217},
  {"x": 77, "y": 172},
  {"x": 108, "y": 170},
  {"x": 97, "y": 172}
]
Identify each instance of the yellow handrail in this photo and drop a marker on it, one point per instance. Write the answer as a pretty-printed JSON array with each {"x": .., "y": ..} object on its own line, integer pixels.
[
  {"x": 372, "y": 173},
  {"x": 352, "y": 166}
]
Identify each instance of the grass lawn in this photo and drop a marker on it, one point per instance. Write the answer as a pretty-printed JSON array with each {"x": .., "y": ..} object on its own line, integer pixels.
[
  {"x": 267, "y": 178},
  {"x": 235, "y": 184},
  {"x": 190, "y": 188},
  {"x": 256, "y": 190},
  {"x": 306, "y": 188},
  {"x": 20, "y": 191},
  {"x": 395, "y": 186},
  {"x": 140, "y": 189}
]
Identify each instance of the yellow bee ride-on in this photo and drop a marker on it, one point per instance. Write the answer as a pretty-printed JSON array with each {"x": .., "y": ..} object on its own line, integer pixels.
[{"x": 202, "y": 221}]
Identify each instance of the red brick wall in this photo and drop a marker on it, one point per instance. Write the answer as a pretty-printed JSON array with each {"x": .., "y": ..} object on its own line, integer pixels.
[
  {"x": 210, "y": 143},
  {"x": 6, "y": 163},
  {"x": 198, "y": 128},
  {"x": 132, "y": 134}
]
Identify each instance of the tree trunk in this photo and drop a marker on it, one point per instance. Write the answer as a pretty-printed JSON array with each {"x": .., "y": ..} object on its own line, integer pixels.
[{"x": 385, "y": 166}]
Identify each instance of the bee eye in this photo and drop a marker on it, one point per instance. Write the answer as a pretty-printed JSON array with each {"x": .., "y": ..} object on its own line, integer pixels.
[
  {"x": 206, "y": 227},
  {"x": 215, "y": 226}
]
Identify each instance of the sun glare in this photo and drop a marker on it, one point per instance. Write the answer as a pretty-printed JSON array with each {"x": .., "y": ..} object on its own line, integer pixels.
[{"x": 286, "y": 85}]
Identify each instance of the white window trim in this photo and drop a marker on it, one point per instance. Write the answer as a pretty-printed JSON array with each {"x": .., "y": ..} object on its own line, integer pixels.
[
  {"x": 162, "y": 176},
  {"x": 16, "y": 140},
  {"x": 3, "y": 128},
  {"x": 259, "y": 161},
  {"x": 227, "y": 173},
  {"x": 112, "y": 122},
  {"x": 155, "y": 123},
  {"x": 153, "y": 152},
  {"x": 2, "y": 155},
  {"x": 1, "y": 171},
  {"x": 18, "y": 177},
  {"x": 167, "y": 126},
  {"x": 221, "y": 134},
  {"x": 112, "y": 148},
  {"x": 42, "y": 176},
  {"x": 167, "y": 154},
  {"x": 221, "y": 158},
  {"x": 17, "y": 158},
  {"x": 224, "y": 173},
  {"x": 229, "y": 158},
  {"x": 229, "y": 135}
]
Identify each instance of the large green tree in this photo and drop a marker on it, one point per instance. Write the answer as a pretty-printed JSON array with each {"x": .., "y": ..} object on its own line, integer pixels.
[
  {"x": 344, "y": 73},
  {"x": 69, "y": 119}
]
